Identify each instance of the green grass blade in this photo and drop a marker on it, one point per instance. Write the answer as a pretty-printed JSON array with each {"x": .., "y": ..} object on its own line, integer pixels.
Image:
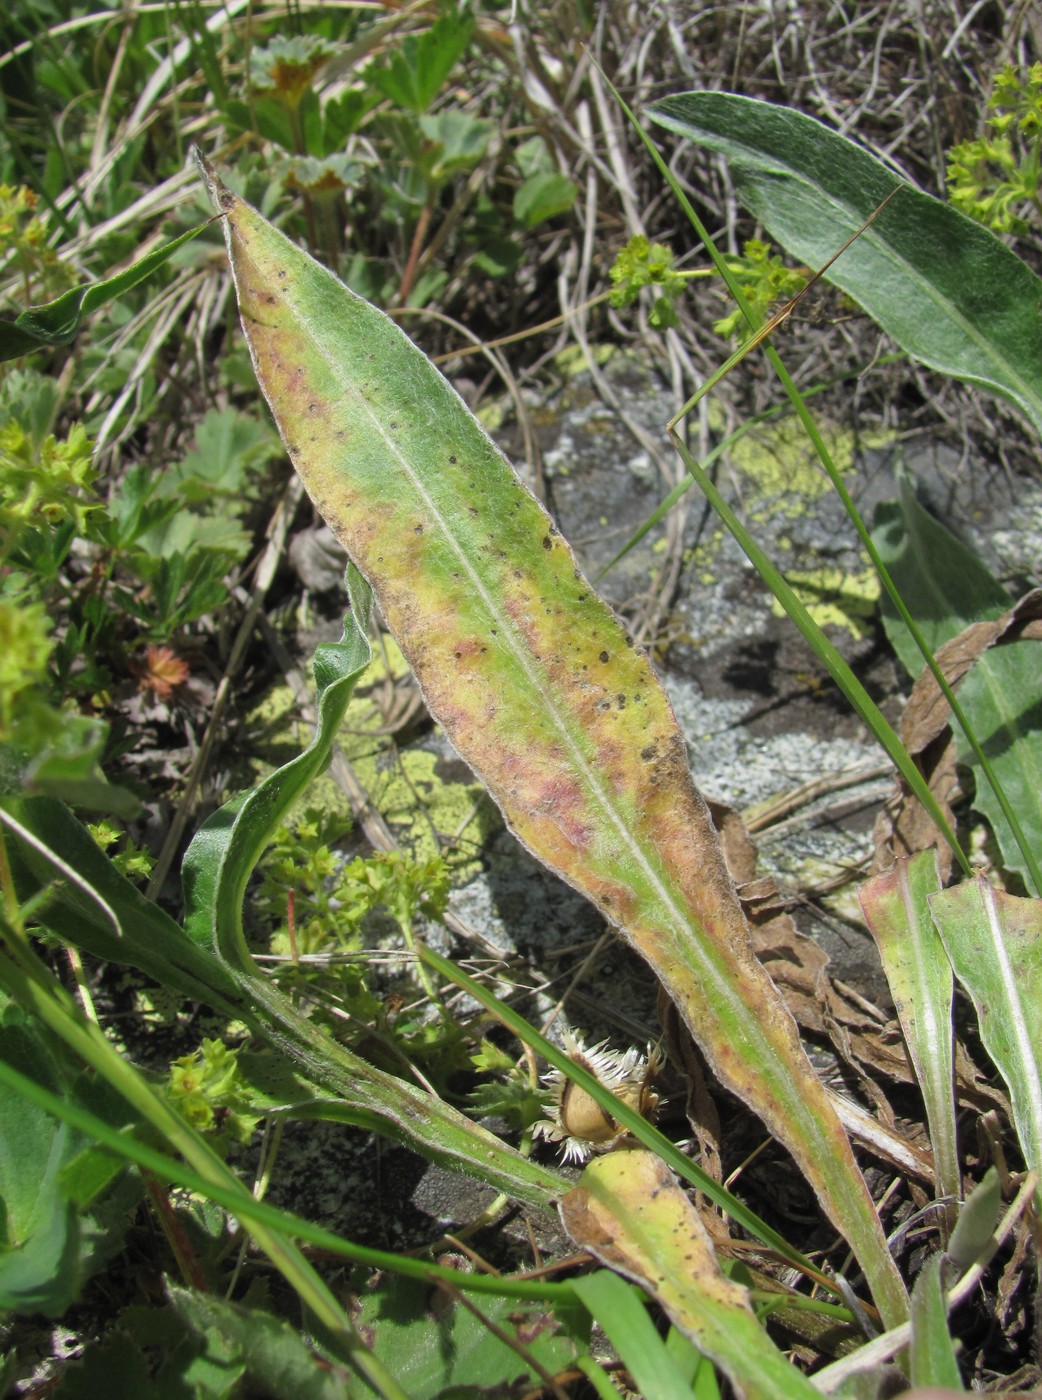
[
  {"x": 1007, "y": 819},
  {"x": 837, "y": 667},
  {"x": 625, "y": 1322},
  {"x": 36, "y": 992},
  {"x": 931, "y": 1355},
  {"x": 826, "y": 652}
]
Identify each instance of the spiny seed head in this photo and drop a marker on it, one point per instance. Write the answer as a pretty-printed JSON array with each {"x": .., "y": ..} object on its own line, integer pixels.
[{"x": 575, "y": 1119}]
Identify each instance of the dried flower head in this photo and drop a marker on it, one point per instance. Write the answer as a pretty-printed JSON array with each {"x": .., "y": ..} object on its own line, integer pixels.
[
  {"x": 162, "y": 671},
  {"x": 575, "y": 1118}
]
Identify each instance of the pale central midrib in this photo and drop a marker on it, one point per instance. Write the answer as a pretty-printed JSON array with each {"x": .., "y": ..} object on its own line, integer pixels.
[
  {"x": 799, "y": 1107},
  {"x": 1022, "y": 1036},
  {"x": 587, "y": 772}
]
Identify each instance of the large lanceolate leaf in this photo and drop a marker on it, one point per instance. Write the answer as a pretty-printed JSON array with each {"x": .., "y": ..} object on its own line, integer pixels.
[
  {"x": 532, "y": 677},
  {"x": 948, "y": 291}
]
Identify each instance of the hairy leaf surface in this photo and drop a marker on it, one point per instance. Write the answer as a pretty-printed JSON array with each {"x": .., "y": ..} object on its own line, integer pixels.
[
  {"x": 948, "y": 291},
  {"x": 531, "y": 675}
]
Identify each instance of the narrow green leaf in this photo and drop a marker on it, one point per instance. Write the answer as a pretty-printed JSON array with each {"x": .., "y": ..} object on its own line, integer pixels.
[
  {"x": 105, "y": 914},
  {"x": 30, "y": 982},
  {"x": 624, "y": 1319},
  {"x": 973, "y": 1235},
  {"x": 944, "y": 584},
  {"x": 532, "y": 677},
  {"x": 919, "y": 975},
  {"x": 829, "y": 656},
  {"x": 949, "y": 292},
  {"x": 57, "y": 322},
  {"x": 225, "y": 851},
  {"x": 994, "y": 941},
  {"x": 630, "y": 1213},
  {"x": 932, "y": 1354}
]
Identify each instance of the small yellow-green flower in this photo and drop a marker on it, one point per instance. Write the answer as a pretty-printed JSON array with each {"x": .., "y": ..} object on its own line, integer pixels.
[{"x": 25, "y": 645}]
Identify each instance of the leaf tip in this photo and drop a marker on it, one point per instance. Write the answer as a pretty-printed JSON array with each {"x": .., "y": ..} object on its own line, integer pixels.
[{"x": 219, "y": 191}]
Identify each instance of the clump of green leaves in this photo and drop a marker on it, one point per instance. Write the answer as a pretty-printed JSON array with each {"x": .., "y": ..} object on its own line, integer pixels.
[
  {"x": 23, "y": 235},
  {"x": 764, "y": 281},
  {"x": 130, "y": 859},
  {"x": 93, "y": 593},
  {"x": 414, "y": 75},
  {"x": 300, "y": 895},
  {"x": 209, "y": 1091},
  {"x": 50, "y": 480},
  {"x": 404, "y": 178},
  {"x": 287, "y": 66},
  {"x": 25, "y": 649},
  {"x": 509, "y": 1092},
  {"x": 318, "y": 902},
  {"x": 996, "y": 177},
  {"x": 46, "y": 502},
  {"x": 643, "y": 264},
  {"x": 763, "y": 277}
]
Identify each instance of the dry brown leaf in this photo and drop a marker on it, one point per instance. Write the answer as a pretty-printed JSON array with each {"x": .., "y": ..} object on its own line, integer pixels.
[{"x": 903, "y": 828}]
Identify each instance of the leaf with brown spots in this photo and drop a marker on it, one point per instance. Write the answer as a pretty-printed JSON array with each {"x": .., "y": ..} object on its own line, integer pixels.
[
  {"x": 629, "y": 1212},
  {"x": 523, "y": 666}
]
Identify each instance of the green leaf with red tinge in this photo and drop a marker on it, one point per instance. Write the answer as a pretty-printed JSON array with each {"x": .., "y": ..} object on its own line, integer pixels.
[
  {"x": 532, "y": 677},
  {"x": 994, "y": 941},
  {"x": 896, "y": 909}
]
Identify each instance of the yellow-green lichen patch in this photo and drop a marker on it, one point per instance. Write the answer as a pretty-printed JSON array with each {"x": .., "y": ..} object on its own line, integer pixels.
[
  {"x": 782, "y": 470},
  {"x": 572, "y": 359},
  {"x": 705, "y": 557},
  {"x": 426, "y": 810},
  {"x": 835, "y": 598}
]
